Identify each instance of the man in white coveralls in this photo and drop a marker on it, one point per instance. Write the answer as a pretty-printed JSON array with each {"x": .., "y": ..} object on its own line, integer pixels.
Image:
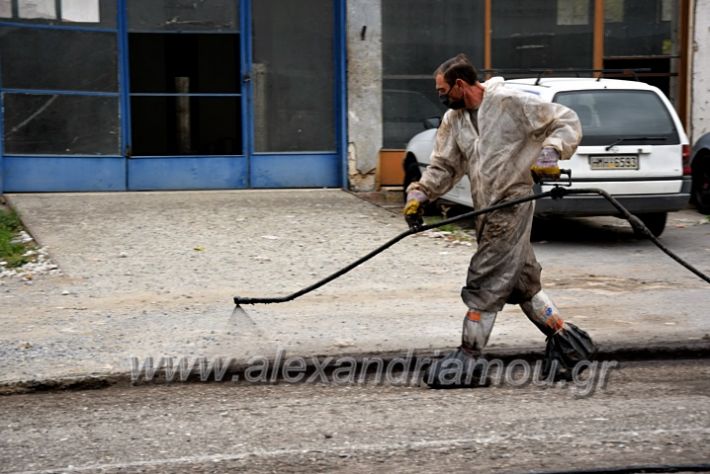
[{"x": 497, "y": 135}]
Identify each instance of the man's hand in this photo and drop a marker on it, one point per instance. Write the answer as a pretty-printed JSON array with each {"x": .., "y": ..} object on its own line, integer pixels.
[
  {"x": 414, "y": 209},
  {"x": 546, "y": 167}
]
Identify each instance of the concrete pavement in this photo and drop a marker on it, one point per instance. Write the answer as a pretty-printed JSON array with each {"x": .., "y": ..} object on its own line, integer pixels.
[{"x": 153, "y": 275}]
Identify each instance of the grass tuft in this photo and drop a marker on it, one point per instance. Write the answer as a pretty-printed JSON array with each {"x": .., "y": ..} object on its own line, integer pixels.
[
  {"x": 457, "y": 232},
  {"x": 11, "y": 252}
]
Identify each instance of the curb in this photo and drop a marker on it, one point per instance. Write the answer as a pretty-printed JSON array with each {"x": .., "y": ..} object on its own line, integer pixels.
[{"x": 94, "y": 381}]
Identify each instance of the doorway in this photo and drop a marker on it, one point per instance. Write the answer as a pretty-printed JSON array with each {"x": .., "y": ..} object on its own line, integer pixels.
[
  {"x": 235, "y": 94},
  {"x": 185, "y": 96}
]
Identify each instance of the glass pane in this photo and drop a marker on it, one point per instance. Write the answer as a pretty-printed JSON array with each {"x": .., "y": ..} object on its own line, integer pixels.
[
  {"x": 84, "y": 12},
  {"x": 293, "y": 75},
  {"x": 417, "y": 36},
  {"x": 31, "y": 9},
  {"x": 183, "y": 15},
  {"x": 61, "y": 125},
  {"x": 186, "y": 126},
  {"x": 541, "y": 34},
  {"x": 209, "y": 62},
  {"x": 5, "y": 9},
  {"x": 406, "y": 108},
  {"x": 58, "y": 59},
  {"x": 641, "y": 28},
  {"x": 607, "y": 116}
]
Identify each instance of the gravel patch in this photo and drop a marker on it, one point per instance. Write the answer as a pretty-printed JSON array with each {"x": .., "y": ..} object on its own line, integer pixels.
[{"x": 40, "y": 262}]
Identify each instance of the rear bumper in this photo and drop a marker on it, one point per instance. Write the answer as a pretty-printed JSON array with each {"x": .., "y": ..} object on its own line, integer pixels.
[{"x": 577, "y": 205}]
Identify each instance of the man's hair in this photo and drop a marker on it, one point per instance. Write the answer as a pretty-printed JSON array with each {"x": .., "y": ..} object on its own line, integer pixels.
[{"x": 458, "y": 67}]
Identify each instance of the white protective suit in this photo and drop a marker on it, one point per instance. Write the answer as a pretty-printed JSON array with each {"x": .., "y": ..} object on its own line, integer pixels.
[{"x": 496, "y": 146}]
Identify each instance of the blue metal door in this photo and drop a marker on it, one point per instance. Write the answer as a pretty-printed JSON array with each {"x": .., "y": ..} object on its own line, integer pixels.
[
  {"x": 296, "y": 91},
  {"x": 184, "y": 66},
  {"x": 60, "y": 97},
  {"x": 167, "y": 94},
  {"x": 272, "y": 121}
]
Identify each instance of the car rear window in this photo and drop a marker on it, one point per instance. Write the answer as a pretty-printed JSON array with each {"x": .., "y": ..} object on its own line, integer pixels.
[{"x": 608, "y": 116}]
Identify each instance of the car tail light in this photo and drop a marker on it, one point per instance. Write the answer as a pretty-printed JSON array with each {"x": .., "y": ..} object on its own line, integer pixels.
[{"x": 686, "y": 160}]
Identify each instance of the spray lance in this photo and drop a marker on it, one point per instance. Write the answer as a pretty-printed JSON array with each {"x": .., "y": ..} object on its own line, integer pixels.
[{"x": 559, "y": 191}]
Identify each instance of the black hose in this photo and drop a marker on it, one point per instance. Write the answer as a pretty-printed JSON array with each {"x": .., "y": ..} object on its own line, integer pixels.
[
  {"x": 637, "y": 225},
  {"x": 556, "y": 193}
]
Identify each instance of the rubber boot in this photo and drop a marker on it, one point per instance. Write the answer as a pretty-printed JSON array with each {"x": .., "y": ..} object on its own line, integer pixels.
[
  {"x": 462, "y": 368},
  {"x": 567, "y": 345}
]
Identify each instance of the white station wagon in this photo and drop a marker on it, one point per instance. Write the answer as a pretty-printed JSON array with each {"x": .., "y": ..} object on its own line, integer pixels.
[{"x": 634, "y": 147}]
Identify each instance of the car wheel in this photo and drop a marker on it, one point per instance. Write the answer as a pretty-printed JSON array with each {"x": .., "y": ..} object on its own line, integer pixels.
[
  {"x": 540, "y": 229},
  {"x": 655, "y": 221},
  {"x": 701, "y": 184}
]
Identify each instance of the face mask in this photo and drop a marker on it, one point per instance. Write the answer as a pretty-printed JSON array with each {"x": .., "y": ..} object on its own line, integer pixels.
[{"x": 451, "y": 104}]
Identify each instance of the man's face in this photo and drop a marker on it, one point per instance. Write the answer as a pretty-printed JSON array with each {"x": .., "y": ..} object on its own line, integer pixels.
[{"x": 450, "y": 96}]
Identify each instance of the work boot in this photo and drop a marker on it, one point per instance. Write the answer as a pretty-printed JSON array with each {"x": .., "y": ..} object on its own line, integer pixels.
[
  {"x": 565, "y": 349},
  {"x": 463, "y": 367},
  {"x": 458, "y": 369},
  {"x": 477, "y": 327},
  {"x": 567, "y": 345}
]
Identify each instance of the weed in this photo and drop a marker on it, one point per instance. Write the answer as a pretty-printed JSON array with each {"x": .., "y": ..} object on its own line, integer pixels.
[
  {"x": 453, "y": 228},
  {"x": 9, "y": 220},
  {"x": 11, "y": 252},
  {"x": 457, "y": 232}
]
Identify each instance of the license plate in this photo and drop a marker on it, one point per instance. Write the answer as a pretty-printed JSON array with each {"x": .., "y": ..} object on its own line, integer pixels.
[{"x": 614, "y": 162}]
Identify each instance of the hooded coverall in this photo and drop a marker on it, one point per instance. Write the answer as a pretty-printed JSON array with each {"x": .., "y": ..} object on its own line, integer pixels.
[{"x": 496, "y": 145}]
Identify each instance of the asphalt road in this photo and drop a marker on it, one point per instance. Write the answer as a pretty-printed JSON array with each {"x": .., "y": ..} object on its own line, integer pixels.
[{"x": 653, "y": 412}]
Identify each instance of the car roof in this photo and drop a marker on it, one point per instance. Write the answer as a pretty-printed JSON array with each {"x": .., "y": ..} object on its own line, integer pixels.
[{"x": 578, "y": 83}]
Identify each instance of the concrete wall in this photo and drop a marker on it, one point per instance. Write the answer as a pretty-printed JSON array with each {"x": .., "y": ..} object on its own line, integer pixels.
[
  {"x": 700, "y": 57},
  {"x": 364, "y": 92}
]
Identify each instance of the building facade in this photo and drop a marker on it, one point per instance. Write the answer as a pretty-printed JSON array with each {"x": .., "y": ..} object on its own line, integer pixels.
[{"x": 115, "y": 95}]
